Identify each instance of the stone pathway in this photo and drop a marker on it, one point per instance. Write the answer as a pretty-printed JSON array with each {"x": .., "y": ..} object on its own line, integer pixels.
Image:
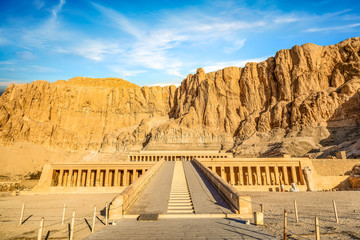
[
  {"x": 180, "y": 199},
  {"x": 220, "y": 228}
]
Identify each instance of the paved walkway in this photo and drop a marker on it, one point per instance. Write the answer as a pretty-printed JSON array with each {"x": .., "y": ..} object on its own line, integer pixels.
[
  {"x": 205, "y": 197},
  {"x": 180, "y": 199},
  {"x": 221, "y": 228},
  {"x": 155, "y": 197}
]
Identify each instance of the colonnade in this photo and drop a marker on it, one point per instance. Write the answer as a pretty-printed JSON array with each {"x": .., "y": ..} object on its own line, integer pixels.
[
  {"x": 96, "y": 177},
  {"x": 167, "y": 157},
  {"x": 255, "y": 175}
]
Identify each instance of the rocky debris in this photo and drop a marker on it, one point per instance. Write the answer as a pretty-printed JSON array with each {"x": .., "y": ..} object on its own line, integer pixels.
[
  {"x": 289, "y": 104},
  {"x": 355, "y": 171}
]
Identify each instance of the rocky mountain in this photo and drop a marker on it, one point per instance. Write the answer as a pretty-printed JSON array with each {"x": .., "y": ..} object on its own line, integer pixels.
[{"x": 305, "y": 100}]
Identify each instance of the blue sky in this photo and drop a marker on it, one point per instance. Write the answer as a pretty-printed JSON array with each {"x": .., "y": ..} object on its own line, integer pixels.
[{"x": 158, "y": 42}]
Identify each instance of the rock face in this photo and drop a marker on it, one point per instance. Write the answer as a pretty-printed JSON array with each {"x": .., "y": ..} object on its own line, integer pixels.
[{"x": 300, "y": 101}]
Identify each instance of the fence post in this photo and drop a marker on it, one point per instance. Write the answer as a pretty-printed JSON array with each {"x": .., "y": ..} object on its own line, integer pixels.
[
  {"x": 262, "y": 208},
  {"x": 22, "y": 214},
  {"x": 317, "y": 231},
  {"x": 41, "y": 229},
  {"x": 285, "y": 224},
  {"x": 335, "y": 211},
  {"x": 63, "y": 216},
  {"x": 93, "y": 223},
  {"x": 296, "y": 212},
  {"x": 72, "y": 225},
  {"x": 106, "y": 214}
]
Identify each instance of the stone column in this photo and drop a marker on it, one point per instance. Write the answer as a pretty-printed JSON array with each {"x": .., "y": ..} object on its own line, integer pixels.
[
  {"x": 61, "y": 175},
  {"x": 267, "y": 172},
  {"x": 222, "y": 172},
  {"x": 79, "y": 178},
  {"x": 107, "y": 178},
  {"x": 277, "y": 175},
  {"x": 116, "y": 177},
  {"x": 232, "y": 175},
  {"x": 258, "y": 175},
  {"x": 83, "y": 178},
  {"x": 286, "y": 177},
  {"x": 135, "y": 174},
  {"x": 97, "y": 183},
  {"x": 88, "y": 179},
  {"x": 92, "y": 178},
  {"x": 250, "y": 176},
  {"x": 69, "y": 179},
  {"x": 241, "y": 176},
  {"x": 293, "y": 173},
  {"x": 112, "y": 178},
  {"x": 126, "y": 175}
]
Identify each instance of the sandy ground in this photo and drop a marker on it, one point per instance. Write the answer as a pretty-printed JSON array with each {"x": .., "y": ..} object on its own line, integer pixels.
[
  {"x": 51, "y": 208},
  {"x": 310, "y": 205}
]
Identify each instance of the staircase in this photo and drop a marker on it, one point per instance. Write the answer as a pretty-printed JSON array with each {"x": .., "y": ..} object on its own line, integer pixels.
[{"x": 180, "y": 198}]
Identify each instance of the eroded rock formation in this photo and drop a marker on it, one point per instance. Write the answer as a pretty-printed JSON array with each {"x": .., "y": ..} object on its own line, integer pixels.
[{"x": 295, "y": 102}]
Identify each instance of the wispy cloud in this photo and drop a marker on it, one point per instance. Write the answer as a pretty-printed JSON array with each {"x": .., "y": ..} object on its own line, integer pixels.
[
  {"x": 124, "y": 73},
  {"x": 4, "y": 82},
  {"x": 164, "y": 84},
  {"x": 334, "y": 28},
  {"x": 7, "y": 62},
  {"x": 119, "y": 20},
  {"x": 286, "y": 19},
  {"x": 58, "y": 8},
  {"x": 93, "y": 49}
]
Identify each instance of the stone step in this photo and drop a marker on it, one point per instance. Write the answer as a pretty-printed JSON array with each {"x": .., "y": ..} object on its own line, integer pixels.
[
  {"x": 180, "y": 204},
  {"x": 180, "y": 211}
]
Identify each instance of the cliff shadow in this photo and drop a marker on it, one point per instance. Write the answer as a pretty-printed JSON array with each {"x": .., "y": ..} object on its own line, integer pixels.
[{"x": 344, "y": 129}]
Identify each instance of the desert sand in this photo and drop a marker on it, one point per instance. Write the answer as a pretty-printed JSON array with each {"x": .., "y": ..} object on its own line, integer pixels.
[
  {"x": 310, "y": 204},
  {"x": 51, "y": 208}
]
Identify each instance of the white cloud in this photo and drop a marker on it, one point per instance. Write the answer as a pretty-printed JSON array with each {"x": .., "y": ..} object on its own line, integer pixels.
[
  {"x": 124, "y": 73},
  {"x": 58, "y": 8},
  {"x": 6, "y": 82},
  {"x": 38, "y": 4},
  {"x": 236, "y": 45},
  {"x": 7, "y": 62},
  {"x": 236, "y": 63},
  {"x": 93, "y": 49},
  {"x": 174, "y": 72},
  {"x": 164, "y": 84},
  {"x": 335, "y": 28},
  {"x": 119, "y": 20},
  {"x": 286, "y": 19},
  {"x": 25, "y": 55}
]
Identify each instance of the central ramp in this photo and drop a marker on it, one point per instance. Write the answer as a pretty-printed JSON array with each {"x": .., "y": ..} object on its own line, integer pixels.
[{"x": 180, "y": 198}]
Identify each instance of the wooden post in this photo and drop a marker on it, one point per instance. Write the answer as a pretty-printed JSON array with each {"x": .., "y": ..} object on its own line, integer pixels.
[
  {"x": 296, "y": 212},
  {"x": 262, "y": 208},
  {"x": 335, "y": 211},
  {"x": 41, "y": 229},
  {"x": 72, "y": 225},
  {"x": 22, "y": 214},
  {"x": 317, "y": 231},
  {"x": 285, "y": 224},
  {"x": 63, "y": 216},
  {"x": 93, "y": 223},
  {"x": 106, "y": 214}
]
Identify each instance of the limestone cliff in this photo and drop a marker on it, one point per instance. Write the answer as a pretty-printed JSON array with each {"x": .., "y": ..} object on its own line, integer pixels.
[{"x": 301, "y": 101}]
